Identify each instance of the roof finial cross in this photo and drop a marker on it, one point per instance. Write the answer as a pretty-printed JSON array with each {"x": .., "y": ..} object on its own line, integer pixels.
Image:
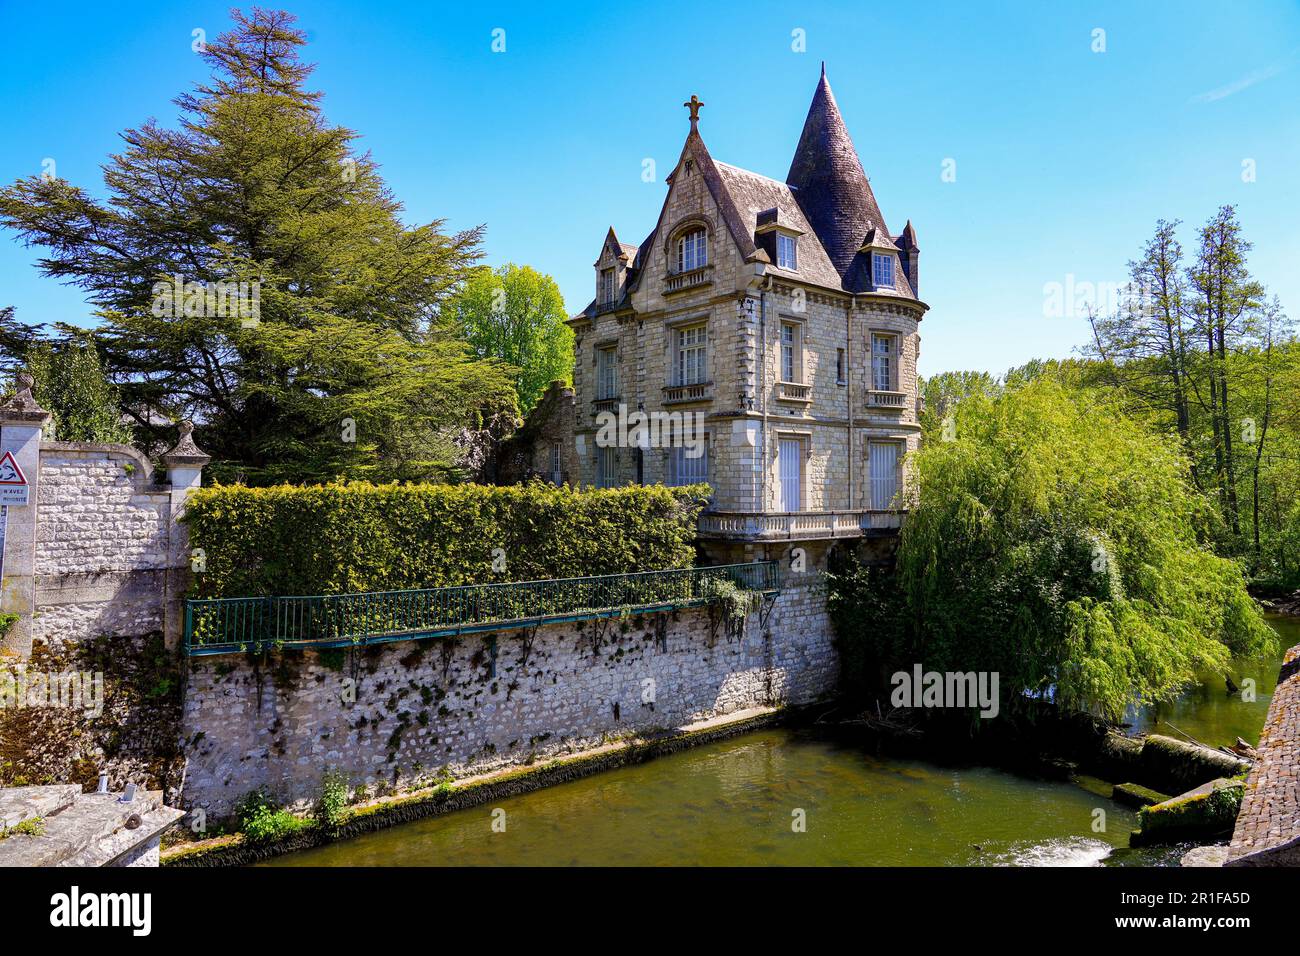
[{"x": 694, "y": 104}]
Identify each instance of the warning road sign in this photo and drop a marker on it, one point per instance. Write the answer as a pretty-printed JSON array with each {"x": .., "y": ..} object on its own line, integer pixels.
[{"x": 13, "y": 483}]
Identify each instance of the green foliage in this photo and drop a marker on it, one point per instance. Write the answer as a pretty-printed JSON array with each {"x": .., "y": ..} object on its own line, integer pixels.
[
  {"x": 1206, "y": 353},
  {"x": 69, "y": 381},
  {"x": 331, "y": 806},
  {"x": 870, "y": 616},
  {"x": 32, "y": 826},
  {"x": 345, "y": 371},
  {"x": 8, "y": 620},
  {"x": 342, "y": 538},
  {"x": 516, "y": 314},
  {"x": 261, "y": 820},
  {"x": 732, "y": 600},
  {"x": 941, "y": 393},
  {"x": 1058, "y": 543}
]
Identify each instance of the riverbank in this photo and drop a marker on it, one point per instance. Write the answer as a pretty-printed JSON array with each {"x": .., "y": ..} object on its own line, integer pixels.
[
  {"x": 368, "y": 817},
  {"x": 752, "y": 770},
  {"x": 780, "y": 796},
  {"x": 1278, "y": 601}
]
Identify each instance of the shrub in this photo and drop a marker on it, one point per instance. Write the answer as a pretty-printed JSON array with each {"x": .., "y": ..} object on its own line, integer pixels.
[
  {"x": 731, "y": 600},
  {"x": 331, "y": 806},
  {"x": 262, "y": 821},
  {"x": 349, "y": 537},
  {"x": 268, "y": 825}
]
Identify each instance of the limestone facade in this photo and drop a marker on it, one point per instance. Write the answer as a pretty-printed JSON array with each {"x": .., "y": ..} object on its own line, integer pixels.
[{"x": 783, "y": 319}]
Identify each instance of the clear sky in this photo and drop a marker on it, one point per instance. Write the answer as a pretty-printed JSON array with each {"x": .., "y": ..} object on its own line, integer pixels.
[{"x": 1064, "y": 157}]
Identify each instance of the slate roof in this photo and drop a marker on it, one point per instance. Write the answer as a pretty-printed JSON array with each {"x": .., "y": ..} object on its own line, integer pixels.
[
  {"x": 826, "y": 197},
  {"x": 832, "y": 186},
  {"x": 753, "y": 194}
]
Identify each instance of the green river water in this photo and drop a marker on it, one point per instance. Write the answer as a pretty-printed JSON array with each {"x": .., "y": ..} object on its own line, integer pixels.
[{"x": 732, "y": 803}]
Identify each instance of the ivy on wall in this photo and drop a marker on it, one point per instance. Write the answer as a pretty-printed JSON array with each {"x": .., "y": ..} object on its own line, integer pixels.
[{"x": 349, "y": 537}]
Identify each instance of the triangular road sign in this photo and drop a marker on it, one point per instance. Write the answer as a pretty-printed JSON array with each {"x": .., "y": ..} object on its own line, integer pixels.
[{"x": 10, "y": 473}]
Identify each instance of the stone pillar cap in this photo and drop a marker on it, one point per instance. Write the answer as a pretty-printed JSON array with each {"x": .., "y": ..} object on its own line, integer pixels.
[
  {"x": 186, "y": 452},
  {"x": 22, "y": 408}
]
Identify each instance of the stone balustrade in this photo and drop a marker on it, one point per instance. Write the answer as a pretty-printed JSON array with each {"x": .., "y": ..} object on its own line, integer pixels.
[{"x": 797, "y": 525}]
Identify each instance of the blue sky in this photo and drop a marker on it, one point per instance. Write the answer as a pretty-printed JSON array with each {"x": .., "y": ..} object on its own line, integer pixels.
[{"x": 1064, "y": 157}]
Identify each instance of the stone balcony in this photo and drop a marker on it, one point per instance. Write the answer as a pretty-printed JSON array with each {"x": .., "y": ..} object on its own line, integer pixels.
[
  {"x": 887, "y": 401},
  {"x": 794, "y": 392},
  {"x": 798, "y": 525},
  {"x": 694, "y": 278},
  {"x": 681, "y": 394}
]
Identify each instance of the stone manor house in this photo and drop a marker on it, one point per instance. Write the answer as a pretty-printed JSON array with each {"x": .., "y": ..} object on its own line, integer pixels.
[{"x": 787, "y": 314}]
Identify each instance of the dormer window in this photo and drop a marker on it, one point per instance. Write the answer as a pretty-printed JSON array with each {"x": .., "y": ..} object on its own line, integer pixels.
[
  {"x": 786, "y": 257},
  {"x": 692, "y": 250},
  {"x": 605, "y": 286},
  {"x": 882, "y": 271}
]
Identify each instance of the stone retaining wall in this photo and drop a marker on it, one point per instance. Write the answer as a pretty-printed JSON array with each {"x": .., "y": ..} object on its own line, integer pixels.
[
  {"x": 399, "y": 716},
  {"x": 1268, "y": 826}
]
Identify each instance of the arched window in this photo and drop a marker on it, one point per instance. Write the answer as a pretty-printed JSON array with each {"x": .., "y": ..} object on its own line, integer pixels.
[{"x": 692, "y": 250}]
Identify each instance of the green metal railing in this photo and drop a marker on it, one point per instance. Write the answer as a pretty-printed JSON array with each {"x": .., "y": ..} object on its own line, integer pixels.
[{"x": 229, "y": 625}]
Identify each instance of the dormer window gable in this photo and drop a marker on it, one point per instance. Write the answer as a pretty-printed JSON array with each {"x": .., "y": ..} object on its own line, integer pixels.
[
  {"x": 780, "y": 240},
  {"x": 883, "y": 258},
  {"x": 612, "y": 269}
]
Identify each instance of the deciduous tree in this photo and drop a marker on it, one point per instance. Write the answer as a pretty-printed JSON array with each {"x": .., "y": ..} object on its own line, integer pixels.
[{"x": 516, "y": 314}]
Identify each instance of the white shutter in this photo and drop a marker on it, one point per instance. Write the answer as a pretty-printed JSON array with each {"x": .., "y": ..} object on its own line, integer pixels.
[
  {"x": 884, "y": 474},
  {"x": 788, "y": 458}
]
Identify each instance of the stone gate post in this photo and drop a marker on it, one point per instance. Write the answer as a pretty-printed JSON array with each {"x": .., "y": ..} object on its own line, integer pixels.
[
  {"x": 21, "y": 421},
  {"x": 184, "y": 465}
]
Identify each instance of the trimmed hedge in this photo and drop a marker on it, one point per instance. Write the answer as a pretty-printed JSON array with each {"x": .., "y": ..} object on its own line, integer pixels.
[{"x": 356, "y": 536}]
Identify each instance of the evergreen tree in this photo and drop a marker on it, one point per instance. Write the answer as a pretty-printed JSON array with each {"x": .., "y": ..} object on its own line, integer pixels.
[{"x": 253, "y": 275}]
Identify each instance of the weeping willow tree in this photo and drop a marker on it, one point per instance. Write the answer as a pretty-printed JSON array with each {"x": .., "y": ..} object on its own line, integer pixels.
[{"x": 1058, "y": 543}]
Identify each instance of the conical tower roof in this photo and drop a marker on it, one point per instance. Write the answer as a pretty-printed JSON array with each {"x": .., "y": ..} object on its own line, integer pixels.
[{"x": 829, "y": 183}]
